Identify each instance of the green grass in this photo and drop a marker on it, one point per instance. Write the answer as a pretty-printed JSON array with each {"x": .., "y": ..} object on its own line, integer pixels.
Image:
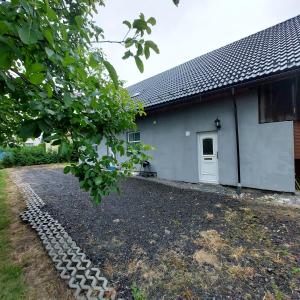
[
  {"x": 11, "y": 282},
  {"x": 137, "y": 294}
]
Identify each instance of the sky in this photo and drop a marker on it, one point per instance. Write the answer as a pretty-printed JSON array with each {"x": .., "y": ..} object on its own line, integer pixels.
[{"x": 182, "y": 33}]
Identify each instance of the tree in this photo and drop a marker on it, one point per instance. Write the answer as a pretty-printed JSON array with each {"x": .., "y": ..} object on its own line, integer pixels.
[{"x": 56, "y": 80}]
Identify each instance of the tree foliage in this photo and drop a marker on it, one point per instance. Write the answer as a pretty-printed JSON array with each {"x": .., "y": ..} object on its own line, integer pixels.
[{"x": 56, "y": 80}]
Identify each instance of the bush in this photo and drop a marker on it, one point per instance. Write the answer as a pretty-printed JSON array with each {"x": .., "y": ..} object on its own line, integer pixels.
[{"x": 26, "y": 156}]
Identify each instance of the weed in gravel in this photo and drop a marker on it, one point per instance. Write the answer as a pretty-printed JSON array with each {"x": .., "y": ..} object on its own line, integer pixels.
[
  {"x": 238, "y": 252},
  {"x": 237, "y": 271},
  {"x": 108, "y": 269},
  {"x": 137, "y": 294},
  {"x": 268, "y": 296},
  {"x": 230, "y": 215},
  {"x": 177, "y": 222},
  {"x": 279, "y": 295},
  {"x": 295, "y": 271},
  {"x": 210, "y": 239},
  {"x": 137, "y": 250}
]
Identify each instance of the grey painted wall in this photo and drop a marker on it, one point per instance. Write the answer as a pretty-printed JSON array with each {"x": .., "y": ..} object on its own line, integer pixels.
[
  {"x": 176, "y": 155},
  {"x": 267, "y": 150},
  {"x": 267, "y": 157}
]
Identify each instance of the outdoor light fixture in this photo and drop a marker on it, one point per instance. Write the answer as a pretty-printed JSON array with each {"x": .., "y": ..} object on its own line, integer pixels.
[{"x": 218, "y": 123}]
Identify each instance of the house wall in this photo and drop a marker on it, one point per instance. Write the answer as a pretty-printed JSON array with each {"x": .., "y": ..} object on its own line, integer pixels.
[
  {"x": 266, "y": 150},
  {"x": 176, "y": 155}
]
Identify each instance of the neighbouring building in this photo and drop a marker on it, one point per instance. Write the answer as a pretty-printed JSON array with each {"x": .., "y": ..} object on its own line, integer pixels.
[{"x": 231, "y": 116}]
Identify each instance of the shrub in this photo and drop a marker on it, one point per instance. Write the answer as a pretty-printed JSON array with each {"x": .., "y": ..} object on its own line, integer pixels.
[{"x": 37, "y": 155}]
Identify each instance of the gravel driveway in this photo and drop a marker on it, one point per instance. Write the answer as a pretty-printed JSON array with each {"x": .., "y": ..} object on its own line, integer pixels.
[{"x": 178, "y": 244}]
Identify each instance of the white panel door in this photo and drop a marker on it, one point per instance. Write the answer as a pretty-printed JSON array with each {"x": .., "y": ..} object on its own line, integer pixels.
[{"x": 208, "y": 157}]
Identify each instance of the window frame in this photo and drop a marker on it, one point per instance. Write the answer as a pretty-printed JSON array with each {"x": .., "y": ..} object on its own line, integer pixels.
[
  {"x": 134, "y": 133},
  {"x": 294, "y": 87}
]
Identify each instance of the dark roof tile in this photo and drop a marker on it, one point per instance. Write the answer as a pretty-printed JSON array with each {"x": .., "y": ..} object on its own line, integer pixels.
[{"x": 269, "y": 51}]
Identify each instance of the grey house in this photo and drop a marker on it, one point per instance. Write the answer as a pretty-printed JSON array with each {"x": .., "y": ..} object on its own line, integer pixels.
[{"x": 230, "y": 116}]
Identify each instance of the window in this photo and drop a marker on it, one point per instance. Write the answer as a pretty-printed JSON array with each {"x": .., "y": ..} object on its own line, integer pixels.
[
  {"x": 207, "y": 146},
  {"x": 133, "y": 137},
  {"x": 277, "y": 102}
]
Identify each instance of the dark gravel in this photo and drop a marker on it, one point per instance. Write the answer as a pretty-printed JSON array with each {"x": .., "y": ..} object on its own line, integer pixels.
[{"x": 148, "y": 220}]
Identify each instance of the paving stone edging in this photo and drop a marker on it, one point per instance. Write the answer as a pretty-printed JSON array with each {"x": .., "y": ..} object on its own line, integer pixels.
[{"x": 68, "y": 258}]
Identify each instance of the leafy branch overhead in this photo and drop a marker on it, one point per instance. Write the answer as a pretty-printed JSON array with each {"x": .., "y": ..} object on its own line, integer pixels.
[
  {"x": 141, "y": 47},
  {"x": 55, "y": 80}
]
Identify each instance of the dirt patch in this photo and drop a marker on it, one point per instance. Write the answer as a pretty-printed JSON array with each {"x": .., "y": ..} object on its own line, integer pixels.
[
  {"x": 210, "y": 239},
  {"x": 203, "y": 257},
  {"x": 41, "y": 278}
]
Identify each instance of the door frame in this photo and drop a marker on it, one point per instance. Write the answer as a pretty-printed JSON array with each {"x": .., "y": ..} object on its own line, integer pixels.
[{"x": 199, "y": 154}]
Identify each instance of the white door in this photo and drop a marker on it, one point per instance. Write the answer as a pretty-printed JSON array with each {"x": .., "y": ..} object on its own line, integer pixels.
[{"x": 208, "y": 157}]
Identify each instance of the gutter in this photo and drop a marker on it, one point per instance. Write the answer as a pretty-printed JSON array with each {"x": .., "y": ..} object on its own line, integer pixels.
[{"x": 237, "y": 139}]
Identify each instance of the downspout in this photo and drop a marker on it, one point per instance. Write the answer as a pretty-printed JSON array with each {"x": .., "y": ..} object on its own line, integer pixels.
[{"x": 239, "y": 186}]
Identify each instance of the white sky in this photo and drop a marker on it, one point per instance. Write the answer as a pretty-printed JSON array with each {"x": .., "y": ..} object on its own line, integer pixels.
[{"x": 193, "y": 28}]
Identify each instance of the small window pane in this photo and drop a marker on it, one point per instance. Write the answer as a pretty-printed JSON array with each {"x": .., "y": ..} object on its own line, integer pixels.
[
  {"x": 134, "y": 137},
  {"x": 208, "y": 146},
  {"x": 137, "y": 136}
]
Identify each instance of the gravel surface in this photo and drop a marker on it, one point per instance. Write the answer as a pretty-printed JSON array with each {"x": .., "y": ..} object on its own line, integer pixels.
[{"x": 177, "y": 243}]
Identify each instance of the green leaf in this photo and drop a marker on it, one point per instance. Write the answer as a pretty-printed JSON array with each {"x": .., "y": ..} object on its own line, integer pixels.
[
  {"x": 44, "y": 126},
  {"x": 127, "y": 54},
  {"x": 129, "y": 42},
  {"x": 79, "y": 21},
  {"x": 63, "y": 148},
  {"x": 139, "y": 24},
  {"x": 68, "y": 100},
  {"x": 67, "y": 169},
  {"x": 139, "y": 64},
  {"x": 151, "y": 21},
  {"x": 68, "y": 60},
  {"x": 98, "y": 180},
  {"x": 5, "y": 57},
  {"x": 112, "y": 73},
  {"x": 139, "y": 49},
  {"x": 36, "y": 67},
  {"x": 5, "y": 27},
  {"x": 127, "y": 23},
  {"x": 49, "y": 90},
  {"x": 36, "y": 78},
  {"x": 48, "y": 35},
  {"x": 29, "y": 129},
  {"x": 51, "y": 14},
  {"x": 152, "y": 45},
  {"x": 142, "y": 16},
  {"x": 28, "y": 34},
  {"x": 147, "y": 51}
]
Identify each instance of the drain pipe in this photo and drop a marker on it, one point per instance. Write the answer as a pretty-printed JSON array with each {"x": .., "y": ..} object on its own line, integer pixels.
[{"x": 239, "y": 186}]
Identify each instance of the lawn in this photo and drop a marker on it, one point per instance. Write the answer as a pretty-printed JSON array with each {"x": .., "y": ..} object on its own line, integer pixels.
[
  {"x": 11, "y": 280},
  {"x": 170, "y": 243}
]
